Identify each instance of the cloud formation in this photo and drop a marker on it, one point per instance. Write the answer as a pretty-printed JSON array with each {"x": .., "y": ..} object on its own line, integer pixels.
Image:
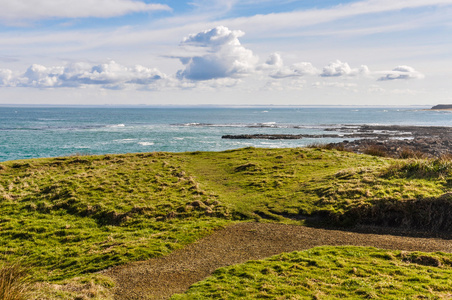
[
  {"x": 45, "y": 9},
  {"x": 338, "y": 68},
  {"x": 275, "y": 24},
  {"x": 402, "y": 72},
  {"x": 276, "y": 64},
  {"x": 215, "y": 59},
  {"x": 223, "y": 56},
  {"x": 5, "y": 76},
  {"x": 109, "y": 75}
]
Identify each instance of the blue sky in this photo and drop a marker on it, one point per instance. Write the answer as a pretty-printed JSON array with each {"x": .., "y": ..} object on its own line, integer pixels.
[{"x": 249, "y": 52}]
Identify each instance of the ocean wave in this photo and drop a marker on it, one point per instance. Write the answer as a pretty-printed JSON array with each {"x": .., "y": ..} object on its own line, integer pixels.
[
  {"x": 52, "y": 128},
  {"x": 266, "y": 125},
  {"x": 209, "y": 125},
  {"x": 146, "y": 143},
  {"x": 116, "y": 125},
  {"x": 238, "y": 125},
  {"x": 125, "y": 141}
]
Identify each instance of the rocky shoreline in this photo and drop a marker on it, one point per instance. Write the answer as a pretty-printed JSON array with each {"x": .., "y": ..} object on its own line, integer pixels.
[
  {"x": 388, "y": 140},
  {"x": 423, "y": 141}
]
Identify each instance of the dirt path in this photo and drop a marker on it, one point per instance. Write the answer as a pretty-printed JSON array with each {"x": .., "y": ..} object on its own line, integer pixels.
[{"x": 160, "y": 278}]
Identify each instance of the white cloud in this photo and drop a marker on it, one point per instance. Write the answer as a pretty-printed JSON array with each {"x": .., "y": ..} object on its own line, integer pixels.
[
  {"x": 274, "y": 60},
  {"x": 40, "y": 76},
  {"x": 338, "y": 68},
  {"x": 109, "y": 75},
  {"x": 215, "y": 59},
  {"x": 333, "y": 69},
  {"x": 402, "y": 72},
  {"x": 5, "y": 77},
  {"x": 295, "y": 70},
  {"x": 223, "y": 55},
  {"x": 210, "y": 85},
  {"x": 45, "y": 9},
  {"x": 278, "y": 70}
]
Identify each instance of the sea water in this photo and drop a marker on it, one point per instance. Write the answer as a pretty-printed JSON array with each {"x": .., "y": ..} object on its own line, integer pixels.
[{"x": 31, "y": 132}]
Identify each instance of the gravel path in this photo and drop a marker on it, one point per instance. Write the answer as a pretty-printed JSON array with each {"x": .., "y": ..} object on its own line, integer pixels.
[{"x": 161, "y": 277}]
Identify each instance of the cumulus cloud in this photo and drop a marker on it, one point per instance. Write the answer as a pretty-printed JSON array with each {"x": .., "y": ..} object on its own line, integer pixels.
[
  {"x": 295, "y": 70},
  {"x": 45, "y": 9},
  {"x": 5, "y": 77},
  {"x": 215, "y": 59},
  {"x": 402, "y": 72},
  {"x": 108, "y": 75},
  {"x": 338, "y": 68},
  {"x": 274, "y": 61},
  {"x": 278, "y": 70},
  {"x": 40, "y": 76},
  {"x": 334, "y": 69},
  {"x": 223, "y": 55}
]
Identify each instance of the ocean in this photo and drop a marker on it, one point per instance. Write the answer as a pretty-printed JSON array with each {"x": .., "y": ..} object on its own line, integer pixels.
[{"x": 32, "y": 132}]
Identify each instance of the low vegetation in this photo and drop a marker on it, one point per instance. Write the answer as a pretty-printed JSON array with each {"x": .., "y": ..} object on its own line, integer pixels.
[
  {"x": 332, "y": 273},
  {"x": 14, "y": 282},
  {"x": 72, "y": 216}
]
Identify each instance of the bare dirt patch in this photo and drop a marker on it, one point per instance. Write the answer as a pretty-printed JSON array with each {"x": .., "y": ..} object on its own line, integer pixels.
[{"x": 162, "y": 277}]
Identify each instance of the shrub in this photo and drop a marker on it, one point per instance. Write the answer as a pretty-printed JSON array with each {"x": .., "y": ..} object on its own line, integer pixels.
[
  {"x": 14, "y": 282},
  {"x": 405, "y": 153},
  {"x": 375, "y": 150},
  {"x": 330, "y": 146},
  {"x": 421, "y": 168}
]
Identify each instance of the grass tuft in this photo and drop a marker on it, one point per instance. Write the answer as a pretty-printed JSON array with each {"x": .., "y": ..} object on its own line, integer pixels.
[
  {"x": 330, "y": 146},
  {"x": 422, "y": 168},
  {"x": 376, "y": 150},
  {"x": 14, "y": 282},
  {"x": 406, "y": 153}
]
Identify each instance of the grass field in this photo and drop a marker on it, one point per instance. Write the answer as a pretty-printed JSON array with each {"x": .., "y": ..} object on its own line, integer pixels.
[
  {"x": 71, "y": 216},
  {"x": 332, "y": 273}
]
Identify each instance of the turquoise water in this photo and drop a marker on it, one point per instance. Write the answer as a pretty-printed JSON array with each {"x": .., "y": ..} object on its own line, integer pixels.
[{"x": 29, "y": 132}]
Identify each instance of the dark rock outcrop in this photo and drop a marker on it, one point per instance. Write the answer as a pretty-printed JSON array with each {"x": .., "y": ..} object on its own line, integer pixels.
[
  {"x": 264, "y": 136},
  {"x": 442, "y": 106}
]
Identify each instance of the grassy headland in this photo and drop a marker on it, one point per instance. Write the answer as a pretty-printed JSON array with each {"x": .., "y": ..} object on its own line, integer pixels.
[{"x": 77, "y": 215}]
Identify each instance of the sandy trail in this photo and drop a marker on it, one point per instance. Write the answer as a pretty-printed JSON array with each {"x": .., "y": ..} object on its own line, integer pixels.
[{"x": 162, "y": 277}]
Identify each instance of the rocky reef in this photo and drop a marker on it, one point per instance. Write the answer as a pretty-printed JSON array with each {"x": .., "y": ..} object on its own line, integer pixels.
[{"x": 390, "y": 140}]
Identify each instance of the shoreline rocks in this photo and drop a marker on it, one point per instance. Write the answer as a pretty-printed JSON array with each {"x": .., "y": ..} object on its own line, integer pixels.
[
  {"x": 264, "y": 136},
  {"x": 431, "y": 142},
  {"x": 390, "y": 140}
]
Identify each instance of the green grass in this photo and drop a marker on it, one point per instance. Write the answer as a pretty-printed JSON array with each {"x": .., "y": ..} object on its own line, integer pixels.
[
  {"x": 332, "y": 273},
  {"x": 274, "y": 184},
  {"x": 77, "y": 215},
  {"x": 70, "y": 216}
]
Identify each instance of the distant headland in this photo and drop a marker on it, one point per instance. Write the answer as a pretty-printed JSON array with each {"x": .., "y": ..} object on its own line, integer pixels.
[{"x": 442, "y": 106}]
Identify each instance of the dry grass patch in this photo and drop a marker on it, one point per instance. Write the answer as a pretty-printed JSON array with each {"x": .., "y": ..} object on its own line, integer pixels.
[{"x": 14, "y": 282}]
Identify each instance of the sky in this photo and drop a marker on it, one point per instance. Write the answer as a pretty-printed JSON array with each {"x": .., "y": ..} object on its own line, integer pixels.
[{"x": 226, "y": 52}]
